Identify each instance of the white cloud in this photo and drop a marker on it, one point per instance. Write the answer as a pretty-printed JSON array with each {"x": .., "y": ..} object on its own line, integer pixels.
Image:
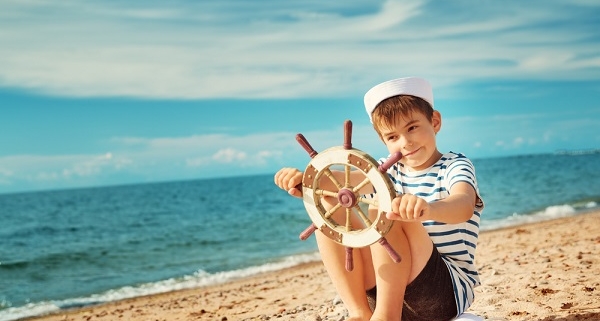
[
  {"x": 286, "y": 49},
  {"x": 291, "y": 49},
  {"x": 140, "y": 159},
  {"x": 155, "y": 159},
  {"x": 518, "y": 141},
  {"x": 518, "y": 133},
  {"x": 393, "y": 13},
  {"x": 88, "y": 167},
  {"x": 265, "y": 156},
  {"x": 5, "y": 176},
  {"x": 230, "y": 155},
  {"x": 42, "y": 169}
]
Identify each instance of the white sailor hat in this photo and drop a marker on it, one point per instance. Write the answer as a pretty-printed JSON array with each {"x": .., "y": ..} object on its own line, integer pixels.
[{"x": 412, "y": 86}]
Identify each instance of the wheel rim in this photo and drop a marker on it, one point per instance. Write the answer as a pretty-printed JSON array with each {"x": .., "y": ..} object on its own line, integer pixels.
[{"x": 347, "y": 197}]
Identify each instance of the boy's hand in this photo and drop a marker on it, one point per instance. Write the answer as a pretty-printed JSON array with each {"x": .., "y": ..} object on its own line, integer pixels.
[
  {"x": 408, "y": 207},
  {"x": 287, "y": 179}
]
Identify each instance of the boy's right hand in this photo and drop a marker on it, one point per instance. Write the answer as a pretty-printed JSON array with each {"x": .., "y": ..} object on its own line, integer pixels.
[{"x": 288, "y": 179}]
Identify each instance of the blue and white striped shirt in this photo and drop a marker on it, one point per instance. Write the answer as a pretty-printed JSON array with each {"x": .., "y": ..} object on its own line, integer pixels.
[{"x": 455, "y": 242}]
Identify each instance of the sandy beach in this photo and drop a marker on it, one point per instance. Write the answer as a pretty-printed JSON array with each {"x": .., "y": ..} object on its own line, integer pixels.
[{"x": 542, "y": 271}]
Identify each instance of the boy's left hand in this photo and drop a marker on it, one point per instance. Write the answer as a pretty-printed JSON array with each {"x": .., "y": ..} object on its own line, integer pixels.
[{"x": 408, "y": 207}]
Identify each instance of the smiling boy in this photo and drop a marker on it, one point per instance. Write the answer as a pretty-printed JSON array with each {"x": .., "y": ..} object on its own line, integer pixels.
[{"x": 437, "y": 209}]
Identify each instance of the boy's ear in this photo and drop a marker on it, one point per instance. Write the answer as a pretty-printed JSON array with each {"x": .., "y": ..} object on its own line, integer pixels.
[{"x": 436, "y": 121}]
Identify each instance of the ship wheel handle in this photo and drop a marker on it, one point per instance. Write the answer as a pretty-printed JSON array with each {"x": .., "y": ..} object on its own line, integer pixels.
[{"x": 343, "y": 229}]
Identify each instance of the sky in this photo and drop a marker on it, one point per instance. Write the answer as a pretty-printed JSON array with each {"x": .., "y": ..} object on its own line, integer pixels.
[{"x": 97, "y": 93}]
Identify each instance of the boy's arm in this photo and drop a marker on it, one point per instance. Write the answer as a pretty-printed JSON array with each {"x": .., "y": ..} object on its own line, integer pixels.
[{"x": 456, "y": 208}]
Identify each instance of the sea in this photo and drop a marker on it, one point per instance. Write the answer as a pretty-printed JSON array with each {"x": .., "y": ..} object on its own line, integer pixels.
[{"x": 64, "y": 249}]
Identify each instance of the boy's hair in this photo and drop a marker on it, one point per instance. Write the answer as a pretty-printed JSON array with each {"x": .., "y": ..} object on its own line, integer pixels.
[{"x": 388, "y": 110}]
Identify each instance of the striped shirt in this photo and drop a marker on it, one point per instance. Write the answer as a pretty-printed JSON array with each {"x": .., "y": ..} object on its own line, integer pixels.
[{"x": 455, "y": 242}]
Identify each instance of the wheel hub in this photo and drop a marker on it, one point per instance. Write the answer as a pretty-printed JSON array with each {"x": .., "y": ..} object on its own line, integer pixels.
[{"x": 346, "y": 198}]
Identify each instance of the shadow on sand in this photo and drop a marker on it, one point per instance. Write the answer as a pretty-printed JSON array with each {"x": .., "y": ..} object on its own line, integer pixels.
[{"x": 595, "y": 316}]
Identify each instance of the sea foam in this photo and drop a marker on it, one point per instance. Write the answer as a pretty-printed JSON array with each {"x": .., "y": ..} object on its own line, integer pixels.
[{"x": 198, "y": 279}]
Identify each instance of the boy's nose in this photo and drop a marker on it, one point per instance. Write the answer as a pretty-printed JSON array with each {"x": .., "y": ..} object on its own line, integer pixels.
[{"x": 405, "y": 143}]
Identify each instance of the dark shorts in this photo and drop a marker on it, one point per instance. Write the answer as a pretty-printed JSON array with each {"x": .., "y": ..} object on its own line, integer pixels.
[{"x": 429, "y": 297}]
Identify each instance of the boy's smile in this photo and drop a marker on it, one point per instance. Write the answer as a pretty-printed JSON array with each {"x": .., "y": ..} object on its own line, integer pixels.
[
  {"x": 411, "y": 153},
  {"x": 414, "y": 137}
]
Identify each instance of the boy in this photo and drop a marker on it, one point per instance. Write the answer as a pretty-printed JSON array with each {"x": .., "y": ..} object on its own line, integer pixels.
[{"x": 437, "y": 209}]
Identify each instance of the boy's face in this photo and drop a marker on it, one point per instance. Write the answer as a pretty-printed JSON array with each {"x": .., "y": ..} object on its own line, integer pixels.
[{"x": 414, "y": 137}]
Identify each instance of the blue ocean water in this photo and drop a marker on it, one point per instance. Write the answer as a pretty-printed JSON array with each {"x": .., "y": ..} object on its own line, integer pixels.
[{"x": 70, "y": 248}]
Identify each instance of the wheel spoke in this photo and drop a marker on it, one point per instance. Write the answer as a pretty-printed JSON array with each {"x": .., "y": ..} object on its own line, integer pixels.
[
  {"x": 348, "y": 223},
  {"x": 329, "y": 174},
  {"x": 347, "y": 169},
  {"x": 363, "y": 217},
  {"x": 324, "y": 192},
  {"x": 369, "y": 201},
  {"x": 328, "y": 214},
  {"x": 361, "y": 185}
]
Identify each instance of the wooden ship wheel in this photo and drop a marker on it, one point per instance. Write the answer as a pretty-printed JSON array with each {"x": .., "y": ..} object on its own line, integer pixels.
[{"x": 355, "y": 229}]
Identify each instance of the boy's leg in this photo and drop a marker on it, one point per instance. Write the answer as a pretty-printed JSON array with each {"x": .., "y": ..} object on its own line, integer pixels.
[
  {"x": 430, "y": 296},
  {"x": 411, "y": 241},
  {"x": 351, "y": 286},
  {"x": 373, "y": 266}
]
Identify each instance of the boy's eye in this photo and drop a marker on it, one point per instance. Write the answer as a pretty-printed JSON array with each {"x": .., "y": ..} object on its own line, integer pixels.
[{"x": 411, "y": 128}]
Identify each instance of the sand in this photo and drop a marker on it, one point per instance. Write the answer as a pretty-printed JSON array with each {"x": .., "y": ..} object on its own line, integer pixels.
[{"x": 542, "y": 271}]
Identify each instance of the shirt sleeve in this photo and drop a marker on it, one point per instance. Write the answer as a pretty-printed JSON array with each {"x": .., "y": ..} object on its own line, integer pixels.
[{"x": 463, "y": 170}]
